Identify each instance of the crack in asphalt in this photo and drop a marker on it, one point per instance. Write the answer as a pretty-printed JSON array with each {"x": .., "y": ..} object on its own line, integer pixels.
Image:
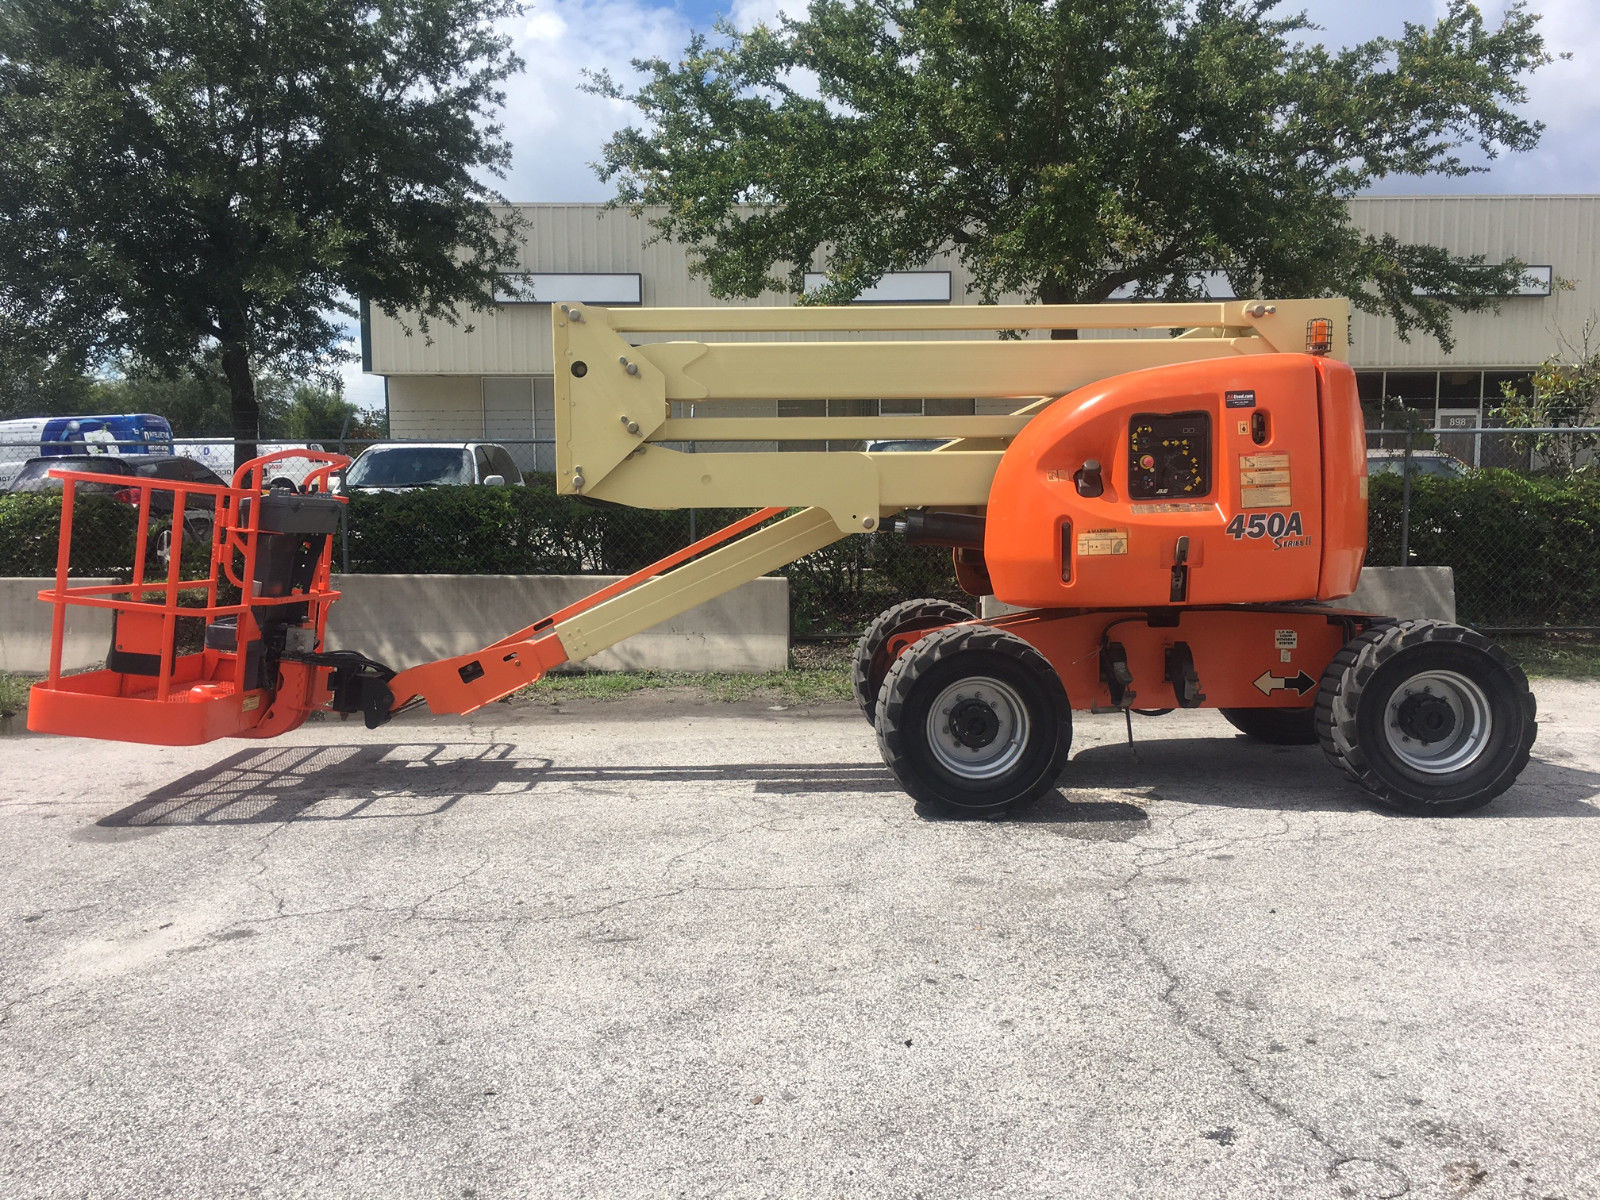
[{"x": 1237, "y": 1062}]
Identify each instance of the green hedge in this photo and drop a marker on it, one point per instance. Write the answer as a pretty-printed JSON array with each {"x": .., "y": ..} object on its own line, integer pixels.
[
  {"x": 531, "y": 530},
  {"x": 102, "y": 536},
  {"x": 510, "y": 531},
  {"x": 1525, "y": 550}
]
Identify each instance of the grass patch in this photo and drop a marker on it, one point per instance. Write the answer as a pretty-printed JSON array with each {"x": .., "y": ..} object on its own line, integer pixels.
[
  {"x": 803, "y": 686},
  {"x": 14, "y": 693},
  {"x": 1555, "y": 655}
]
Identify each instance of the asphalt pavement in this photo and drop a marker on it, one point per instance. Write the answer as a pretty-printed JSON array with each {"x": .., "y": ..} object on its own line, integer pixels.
[{"x": 667, "y": 947}]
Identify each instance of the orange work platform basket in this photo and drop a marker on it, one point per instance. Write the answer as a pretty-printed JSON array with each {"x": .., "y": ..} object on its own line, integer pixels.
[{"x": 236, "y": 652}]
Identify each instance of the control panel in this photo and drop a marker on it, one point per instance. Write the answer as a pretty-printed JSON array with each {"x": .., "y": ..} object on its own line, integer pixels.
[{"x": 1169, "y": 456}]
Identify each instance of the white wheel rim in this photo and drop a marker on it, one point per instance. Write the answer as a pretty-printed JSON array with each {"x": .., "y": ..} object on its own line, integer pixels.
[
  {"x": 978, "y": 728},
  {"x": 1421, "y": 735}
]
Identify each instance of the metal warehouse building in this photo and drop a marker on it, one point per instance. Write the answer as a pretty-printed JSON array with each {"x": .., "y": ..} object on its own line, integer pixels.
[{"x": 494, "y": 380}]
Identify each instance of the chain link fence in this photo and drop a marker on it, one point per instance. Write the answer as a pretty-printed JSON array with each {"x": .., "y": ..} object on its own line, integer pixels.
[
  {"x": 1514, "y": 513},
  {"x": 1524, "y": 543}
]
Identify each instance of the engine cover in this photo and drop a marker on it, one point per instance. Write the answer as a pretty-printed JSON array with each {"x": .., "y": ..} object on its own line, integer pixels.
[{"x": 1226, "y": 481}]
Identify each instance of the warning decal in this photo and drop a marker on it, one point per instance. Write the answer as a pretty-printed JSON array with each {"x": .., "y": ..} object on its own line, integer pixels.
[
  {"x": 1274, "y": 478},
  {"x": 1263, "y": 497},
  {"x": 1263, "y": 480},
  {"x": 1172, "y": 508},
  {"x": 1263, "y": 462},
  {"x": 1285, "y": 639},
  {"x": 1098, "y": 542}
]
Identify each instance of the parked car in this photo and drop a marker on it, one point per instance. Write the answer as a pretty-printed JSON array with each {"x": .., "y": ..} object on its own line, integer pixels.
[
  {"x": 217, "y": 453},
  {"x": 1423, "y": 462},
  {"x": 35, "y": 473},
  {"x": 401, "y": 466},
  {"x": 900, "y": 445},
  {"x": 199, "y": 511}
]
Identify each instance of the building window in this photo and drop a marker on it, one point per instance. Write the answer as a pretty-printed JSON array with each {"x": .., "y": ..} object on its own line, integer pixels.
[
  {"x": 1536, "y": 281},
  {"x": 896, "y": 287},
  {"x": 548, "y": 287}
]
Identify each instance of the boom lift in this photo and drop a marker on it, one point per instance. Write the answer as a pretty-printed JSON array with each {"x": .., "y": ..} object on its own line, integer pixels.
[{"x": 1173, "y": 517}]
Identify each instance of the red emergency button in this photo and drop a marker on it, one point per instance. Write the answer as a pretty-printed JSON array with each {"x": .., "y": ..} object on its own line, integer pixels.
[{"x": 1148, "y": 462}]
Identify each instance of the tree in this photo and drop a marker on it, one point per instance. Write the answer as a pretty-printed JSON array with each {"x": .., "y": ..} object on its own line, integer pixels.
[
  {"x": 1564, "y": 391},
  {"x": 195, "y": 401},
  {"x": 317, "y": 414},
  {"x": 180, "y": 177},
  {"x": 34, "y": 386},
  {"x": 1066, "y": 149}
]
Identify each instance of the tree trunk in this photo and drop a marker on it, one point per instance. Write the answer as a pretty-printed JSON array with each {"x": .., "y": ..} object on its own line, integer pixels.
[
  {"x": 246, "y": 409},
  {"x": 1053, "y": 291}
]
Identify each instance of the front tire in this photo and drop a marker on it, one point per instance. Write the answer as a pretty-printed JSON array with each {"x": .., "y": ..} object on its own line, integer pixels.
[
  {"x": 1430, "y": 718},
  {"x": 872, "y": 660},
  {"x": 975, "y": 720}
]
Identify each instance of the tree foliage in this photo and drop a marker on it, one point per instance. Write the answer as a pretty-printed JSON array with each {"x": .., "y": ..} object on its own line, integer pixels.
[
  {"x": 1564, "y": 391},
  {"x": 34, "y": 386},
  {"x": 178, "y": 176},
  {"x": 1066, "y": 149},
  {"x": 196, "y": 402}
]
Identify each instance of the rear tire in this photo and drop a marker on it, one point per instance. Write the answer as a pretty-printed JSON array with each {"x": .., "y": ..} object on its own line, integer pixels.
[
  {"x": 1278, "y": 726},
  {"x": 1428, "y": 717},
  {"x": 872, "y": 660},
  {"x": 974, "y": 719}
]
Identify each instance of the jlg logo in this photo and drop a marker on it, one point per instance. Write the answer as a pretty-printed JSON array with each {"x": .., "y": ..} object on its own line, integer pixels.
[{"x": 1269, "y": 525}]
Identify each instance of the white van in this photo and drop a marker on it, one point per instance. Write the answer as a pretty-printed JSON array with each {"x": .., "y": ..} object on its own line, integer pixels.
[{"x": 23, "y": 438}]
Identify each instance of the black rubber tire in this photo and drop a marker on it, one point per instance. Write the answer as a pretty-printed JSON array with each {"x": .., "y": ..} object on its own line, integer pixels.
[
  {"x": 973, "y": 652},
  {"x": 872, "y": 662},
  {"x": 1354, "y": 696},
  {"x": 1279, "y": 726}
]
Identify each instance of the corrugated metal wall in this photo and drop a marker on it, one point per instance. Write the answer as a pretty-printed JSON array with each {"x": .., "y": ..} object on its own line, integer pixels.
[
  {"x": 1556, "y": 231},
  {"x": 578, "y": 238},
  {"x": 514, "y": 340}
]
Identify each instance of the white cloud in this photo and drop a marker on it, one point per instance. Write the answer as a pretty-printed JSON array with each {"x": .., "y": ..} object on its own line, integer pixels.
[
  {"x": 747, "y": 14},
  {"x": 544, "y": 27},
  {"x": 555, "y": 129}
]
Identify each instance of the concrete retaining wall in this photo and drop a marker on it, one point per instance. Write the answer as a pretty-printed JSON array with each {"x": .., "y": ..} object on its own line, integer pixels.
[
  {"x": 25, "y": 629},
  {"x": 1405, "y": 592},
  {"x": 1428, "y": 592},
  {"x": 403, "y": 620}
]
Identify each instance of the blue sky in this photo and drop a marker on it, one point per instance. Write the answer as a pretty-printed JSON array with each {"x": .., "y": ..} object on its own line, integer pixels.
[{"x": 556, "y": 130}]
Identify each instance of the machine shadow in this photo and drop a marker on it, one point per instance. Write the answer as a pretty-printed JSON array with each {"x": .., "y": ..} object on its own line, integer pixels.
[
  {"x": 409, "y": 780},
  {"x": 1238, "y": 772}
]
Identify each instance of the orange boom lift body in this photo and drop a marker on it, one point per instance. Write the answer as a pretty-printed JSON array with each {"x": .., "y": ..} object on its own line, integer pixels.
[{"x": 1164, "y": 536}]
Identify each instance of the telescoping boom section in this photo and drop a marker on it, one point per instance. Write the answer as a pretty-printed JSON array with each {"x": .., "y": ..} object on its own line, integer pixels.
[{"x": 1171, "y": 499}]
